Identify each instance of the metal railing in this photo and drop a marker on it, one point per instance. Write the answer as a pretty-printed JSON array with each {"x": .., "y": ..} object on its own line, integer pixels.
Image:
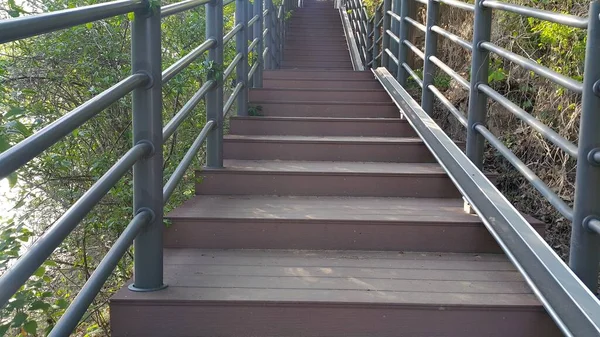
[
  {"x": 146, "y": 155},
  {"x": 565, "y": 292}
]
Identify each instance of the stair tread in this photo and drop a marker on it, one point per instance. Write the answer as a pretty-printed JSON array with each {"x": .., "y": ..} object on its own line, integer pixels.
[
  {"x": 338, "y": 277},
  {"x": 326, "y": 139},
  {"x": 326, "y": 167},
  {"x": 316, "y": 208},
  {"x": 322, "y": 119}
]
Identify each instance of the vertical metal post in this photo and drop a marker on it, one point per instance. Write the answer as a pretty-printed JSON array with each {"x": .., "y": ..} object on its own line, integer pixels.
[
  {"x": 479, "y": 75},
  {"x": 376, "y": 35},
  {"x": 214, "y": 97},
  {"x": 433, "y": 8},
  {"x": 147, "y": 127},
  {"x": 369, "y": 43},
  {"x": 271, "y": 31},
  {"x": 241, "y": 46},
  {"x": 385, "y": 60},
  {"x": 258, "y": 33},
  {"x": 395, "y": 28},
  {"x": 584, "y": 256},
  {"x": 279, "y": 41},
  {"x": 402, "y": 75}
]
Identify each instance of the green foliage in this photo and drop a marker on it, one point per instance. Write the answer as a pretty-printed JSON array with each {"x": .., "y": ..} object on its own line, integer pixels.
[
  {"x": 255, "y": 110},
  {"x": 43, "y": 78},
  {"x": 442, "y": 81},
  {"x": 496, "y": 72}
]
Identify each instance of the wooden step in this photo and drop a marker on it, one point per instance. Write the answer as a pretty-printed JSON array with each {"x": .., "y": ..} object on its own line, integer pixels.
[
  {"x": 318, "y": 75},
  {"x": 318, "y": 64},
  {"x": 318, "y": 126},
  {"x": 319, "y": 95},
  {"x": 335, "y": 54},
  {"x": 329, "y": 223},
  {"x": 315, "y": 148},
  {"x": 328, "y": 109},
  {"x": 322, "y": 84},
  {"x": 298, "y": 293},
  {"x": 321, "y": 178}
]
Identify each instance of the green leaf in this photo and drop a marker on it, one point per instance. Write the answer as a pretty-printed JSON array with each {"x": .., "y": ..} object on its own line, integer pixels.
[
  {"x": 4, "y": 145},
  {"x": 30, "y": 327},
  {"x": 19, "y": 319},
  {"x": 39, "y": 305},
  {"x": 62, "y": 303},
  {"x": 89, "y": 25},
  {"x": 131, "y": 16},
  {"x": 40, "y": 271},
  {"x": 4, "y": 329},
  {"x": 12, "y": 179},
  {"x": 14, "y": 111}
]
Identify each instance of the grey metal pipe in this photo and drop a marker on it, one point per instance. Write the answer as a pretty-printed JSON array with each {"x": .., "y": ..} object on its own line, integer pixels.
[
  {"x": 477, "y": 113},
  {"x": 257, "y": 79},
  {"x": 453, "y": 37},
  {"x": 179, "y": 7},
  {"x": 458, "y": 4},
  {"x": 227, "y": 2},
  {"x": 453, "y": 110},
  {"x": 594, "y": 225},
  {"x": 253, "y": 44},
  {"x": 416, "y": 24},
  {"x": 413, "y": 74},
  {"x": 414, "y": 49},
  {"x": 231, "y": 99},
  {"x": 392, "y": 56},
  {"x": 232, "y": 32},
  {"x": 456, "y": 76},
  {"x": 241, "y": 46},
  {"x": 394, "y": 16},
  {"x": 19, "y": 28},
  {"x": 424, "y": 2},
  {"x": 185, "y": 61},
  {"x": 253, "y": 20},
  {"x": 429, "y": 71},
  {"x": 528, "y": 64},
  {"x": 563, "y": 19},
  {"x": 387, "y": 6},
  {"x": 236, "y": 60},
  {"x": 70, "y": 319},
  {"x": 376, "y": 37},
  {"x": 148, "y": 173},
  {"x": 214, "y": 97},
  {"x": 401, "y": 74},
  {"x": 584, "y": 255},
  {"x": 393, "y": 36},
  {"x": 540, "y": 127},
  {"x": 252, "y": 71},
  {"x": 185, "y": 162},
  {"x": 23, "y": 152},
  {"x": 31, "y": 260},
  {"x": 189, "y": 106},
  {"x": 528, "y": 174}
]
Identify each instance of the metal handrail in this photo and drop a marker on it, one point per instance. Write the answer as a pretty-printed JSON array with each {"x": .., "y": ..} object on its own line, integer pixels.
[
  {"x": 146, "y": 84},
  {"x": 563, "y": 291}
]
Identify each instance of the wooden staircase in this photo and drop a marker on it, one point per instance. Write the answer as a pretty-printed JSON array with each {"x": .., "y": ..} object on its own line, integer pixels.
[{"x": 329, "y": 218}]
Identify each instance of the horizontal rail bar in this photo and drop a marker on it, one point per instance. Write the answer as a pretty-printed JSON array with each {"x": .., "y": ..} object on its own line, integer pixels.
[
  {"x": 265, "y": 32},
  {"x": 379, "y": 55},
  {"x": 232, "y": 33},
  {"x": 23, "y": 152},
  {"x": 174, "y": 123},
  {"x": 394, "y": 16},
  {"x": 379, "y": 22},
  {"x": 414, "y": 49},
  {"x": 232, "y": 98},
  {"x": 227, "y": 2},
  {"x": 413, "y": 74},
  {"x": 540, "y": 127},
  {"x": 379, "y": 39},
  {"x": 452, "y": 37},
  {"x": 185, "y": 162},
  {"x": 458, "y": 4},
  {"x": 455, "y": 76},
  {"x": 393, "y": 36},
  {"x": 416, "y": 24},
  {"x": 265, "y": 52},
  {"x": 424, "y": 2},
  {"x": 253, "y": 20},
  {"x": 185, "y": 61},
  {"x": 180, "y": 7},
  {"x": 594, "y": 225},
  {"x": 252, "y": 70},
  {"x": 391, "y": 55},
  {"x": 527, "y": 173},
  {"x": 265, "y": 12},
  {"x": 563, "y": 19},
  {"x": 566, "y": 299},
  {"x": 445, "y": 102},
  {"x": 19, "y": 28},
  {"x": 70, "y": 319},
  {"x": 29, "y": 262},
  {"x": 232, "y": 65},
  {"x": 252, "y": 45},
  {"x": 528, "y": 64},
  {"x": 370, "y": 48}
]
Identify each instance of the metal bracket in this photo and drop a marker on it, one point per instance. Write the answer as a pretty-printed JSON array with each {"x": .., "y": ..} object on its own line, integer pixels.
[{"x": 594, "y": 157}]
